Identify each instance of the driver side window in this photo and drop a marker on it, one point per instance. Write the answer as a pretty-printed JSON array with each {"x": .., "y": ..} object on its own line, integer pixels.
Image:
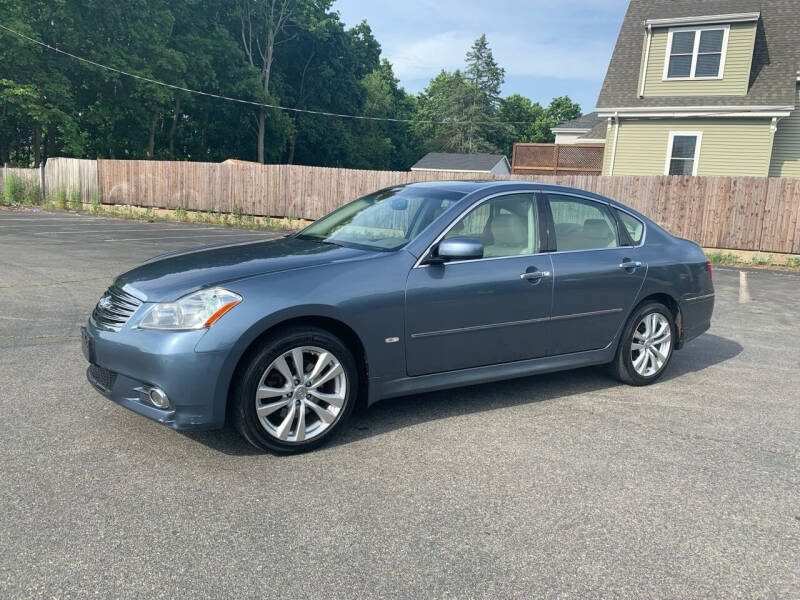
[{"x": 506, "y": 226}]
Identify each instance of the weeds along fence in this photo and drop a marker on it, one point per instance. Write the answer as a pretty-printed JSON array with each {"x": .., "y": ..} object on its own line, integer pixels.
[
  {"x": 740, "y": 213},
  {"x": 26, "y": 177}
]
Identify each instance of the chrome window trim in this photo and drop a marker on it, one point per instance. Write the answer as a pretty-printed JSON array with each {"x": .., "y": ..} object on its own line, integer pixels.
[
  {"x": 418, "y": 264},
  {"x": 536, "y": 192},
  {"x": 471, "y": 328}
]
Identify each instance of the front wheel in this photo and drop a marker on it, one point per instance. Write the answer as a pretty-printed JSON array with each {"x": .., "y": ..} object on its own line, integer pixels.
[
  {"x": 296, "y": 392},
  {"x": 646, "y": 346}
]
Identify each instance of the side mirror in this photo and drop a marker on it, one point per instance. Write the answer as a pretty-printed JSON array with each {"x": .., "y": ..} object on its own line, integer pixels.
[{"x": 462, "y": 248}]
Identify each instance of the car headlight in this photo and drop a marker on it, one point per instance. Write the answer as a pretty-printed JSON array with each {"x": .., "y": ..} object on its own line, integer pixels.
[{"x": 195, "y": 311}]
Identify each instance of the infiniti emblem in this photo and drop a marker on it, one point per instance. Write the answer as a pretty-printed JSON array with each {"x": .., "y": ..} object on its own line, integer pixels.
[{"x": 105, "y": 302}]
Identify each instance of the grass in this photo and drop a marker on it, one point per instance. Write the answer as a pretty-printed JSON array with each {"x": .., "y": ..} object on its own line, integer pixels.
[
  {"x": 61, "y": 199},
  {"x": 14, "y": 190},
  {"x": 722, "y": 258},
  {"x": 760, "y": 260},
  {"x": 75, "y": 200},
  {"x": 95, "y": 208}
]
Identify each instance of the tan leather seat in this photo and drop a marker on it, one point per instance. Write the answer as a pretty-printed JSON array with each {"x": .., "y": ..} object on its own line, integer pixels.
[{"x": 509, "y": 236}]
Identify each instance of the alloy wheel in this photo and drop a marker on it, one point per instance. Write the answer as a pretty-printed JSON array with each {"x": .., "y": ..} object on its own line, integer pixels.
[
  {"x": 651, "y": 344},
  {"x": 301, "y": 394}
]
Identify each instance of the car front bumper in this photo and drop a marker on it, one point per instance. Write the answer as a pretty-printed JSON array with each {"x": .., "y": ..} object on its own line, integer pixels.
[{"x": 124, "y": 365}]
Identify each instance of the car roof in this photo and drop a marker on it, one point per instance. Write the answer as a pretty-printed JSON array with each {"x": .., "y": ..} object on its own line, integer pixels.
[{"x": 470, "y": 186}]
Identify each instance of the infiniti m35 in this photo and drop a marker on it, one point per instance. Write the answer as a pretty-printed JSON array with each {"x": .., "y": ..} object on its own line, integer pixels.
[{"x": 407, "y": 290}]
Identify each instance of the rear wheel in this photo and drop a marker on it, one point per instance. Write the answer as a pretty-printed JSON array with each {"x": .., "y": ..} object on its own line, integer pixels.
[
  {"x": 646, "y": 347},
  {"x": 296, "y": 392}
]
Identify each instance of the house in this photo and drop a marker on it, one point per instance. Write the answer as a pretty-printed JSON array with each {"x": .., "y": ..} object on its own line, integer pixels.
[
  {"x": 496, "y": 164},
  {"x": 704, "y": 87},
  {"x": 588, "y": 129}
]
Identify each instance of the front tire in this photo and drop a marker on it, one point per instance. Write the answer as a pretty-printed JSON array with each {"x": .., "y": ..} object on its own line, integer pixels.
[
  {"x": 646, "y": 346},
  {"x": 296, "y": 392}
]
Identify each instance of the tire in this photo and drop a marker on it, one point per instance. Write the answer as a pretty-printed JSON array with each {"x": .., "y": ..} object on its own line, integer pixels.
[
  {"x": 265, "y": 401},
  {"x": 650, "y": 323}
]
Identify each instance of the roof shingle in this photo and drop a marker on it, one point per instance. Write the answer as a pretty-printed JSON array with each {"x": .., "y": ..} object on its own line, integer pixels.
[
  {"x": 775, "y": 62},
  {"x": 459, "y": 162}
]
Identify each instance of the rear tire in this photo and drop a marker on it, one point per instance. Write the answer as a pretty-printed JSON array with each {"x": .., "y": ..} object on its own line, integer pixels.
[
  {"x": 288, "y": 408},
  {"x": 646, "y": 345}
]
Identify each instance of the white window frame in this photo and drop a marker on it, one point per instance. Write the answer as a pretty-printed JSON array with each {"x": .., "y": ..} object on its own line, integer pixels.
[
  {"x": 671, "y": 147},
  {"x": 695, "y": 52}
]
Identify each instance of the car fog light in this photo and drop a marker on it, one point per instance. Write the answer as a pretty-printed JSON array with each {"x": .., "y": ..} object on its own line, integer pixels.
[{"x": 158, "y": 398}]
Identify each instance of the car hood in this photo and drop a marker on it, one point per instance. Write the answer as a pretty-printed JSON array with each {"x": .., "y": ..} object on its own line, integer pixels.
[{"x": 171, "y": 276}]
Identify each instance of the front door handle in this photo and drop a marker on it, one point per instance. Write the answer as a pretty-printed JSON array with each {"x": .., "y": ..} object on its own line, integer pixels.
[
  {"x": 535, "y": 275},
  {"x": 630, "y": 265}
]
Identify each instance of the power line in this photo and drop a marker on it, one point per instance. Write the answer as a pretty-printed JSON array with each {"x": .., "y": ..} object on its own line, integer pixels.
[{"x": 250, "y": 102}]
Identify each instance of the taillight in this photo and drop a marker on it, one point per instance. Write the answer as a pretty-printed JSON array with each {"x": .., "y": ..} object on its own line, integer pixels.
[{"x": 708, "y": 268}]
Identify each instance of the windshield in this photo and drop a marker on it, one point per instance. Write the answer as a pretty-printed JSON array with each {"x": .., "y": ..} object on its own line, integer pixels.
[{"x": 385, "y": 220}]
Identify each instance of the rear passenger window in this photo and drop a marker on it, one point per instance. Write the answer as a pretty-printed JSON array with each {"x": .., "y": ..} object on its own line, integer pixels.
[
  {"x": 633, "y": 225},
  {"x": 582, "y": 224}
]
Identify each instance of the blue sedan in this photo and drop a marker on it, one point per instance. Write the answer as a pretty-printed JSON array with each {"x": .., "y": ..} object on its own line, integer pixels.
[{"x": 411, "y": 289}]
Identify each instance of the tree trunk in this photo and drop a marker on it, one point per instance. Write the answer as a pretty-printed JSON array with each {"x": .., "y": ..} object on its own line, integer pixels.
[
  {"x": 262, "y": 122},
  {"x": 37, "y": 145},
  {"x": 292, "y": 146},
  {"x": 50, "y": 143},
  {"x": 173, "y": 128},
  {"x": 151, "y": 142}
]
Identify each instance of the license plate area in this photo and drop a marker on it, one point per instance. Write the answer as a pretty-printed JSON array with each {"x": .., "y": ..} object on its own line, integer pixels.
[{"x": 87, "y": 345}]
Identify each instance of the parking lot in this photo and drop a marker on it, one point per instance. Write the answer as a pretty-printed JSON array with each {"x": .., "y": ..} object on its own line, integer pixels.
[{"x": 565, "y": 485}]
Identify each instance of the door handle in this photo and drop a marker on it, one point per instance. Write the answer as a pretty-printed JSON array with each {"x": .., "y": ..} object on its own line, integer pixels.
[
  {"x": 630, "y": 265},
  {"x": 535, "y": 275}
]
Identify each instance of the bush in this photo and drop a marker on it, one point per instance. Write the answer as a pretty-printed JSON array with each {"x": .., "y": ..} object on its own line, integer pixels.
[
  {"x": 61, "y": 199},
  {"x": 722, "y": 258},
  {"x": 14, "y": 189},
  {"x": 33, "y": 195},
  {"x": 95, "y": 204},
  {"x": 75, "y": 199},
  {"x": 180, "y": 213}
]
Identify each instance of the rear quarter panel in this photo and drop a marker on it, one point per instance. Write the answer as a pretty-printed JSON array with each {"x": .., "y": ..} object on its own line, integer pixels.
[{"x": 678, "y": 268}]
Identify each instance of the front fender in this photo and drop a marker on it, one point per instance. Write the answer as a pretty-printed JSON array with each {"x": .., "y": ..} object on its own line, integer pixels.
[{"x": 365, "y": 296}]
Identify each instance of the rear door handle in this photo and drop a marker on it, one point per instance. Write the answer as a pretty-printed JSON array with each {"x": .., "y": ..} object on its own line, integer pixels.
[
  {"x": 535, "y": 275},
  {"x": 630, "y": 265}
]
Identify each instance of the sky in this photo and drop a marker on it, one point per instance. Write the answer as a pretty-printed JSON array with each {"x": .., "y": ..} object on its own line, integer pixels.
[{"x": 548, "y": 48}]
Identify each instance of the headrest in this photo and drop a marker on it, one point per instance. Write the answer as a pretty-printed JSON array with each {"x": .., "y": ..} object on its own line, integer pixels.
[
  {"x": 509, "y": 230},
  {"x": 597, "y": 229}
]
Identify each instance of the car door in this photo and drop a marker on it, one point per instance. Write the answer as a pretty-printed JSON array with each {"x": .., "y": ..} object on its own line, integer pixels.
[
  {"x": 471, "y": 313},
  {"x": 596, "y": 278}
]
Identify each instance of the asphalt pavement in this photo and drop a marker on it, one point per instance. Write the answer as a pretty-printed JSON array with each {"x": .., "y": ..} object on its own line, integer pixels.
[{"x": 568, "y": 485}]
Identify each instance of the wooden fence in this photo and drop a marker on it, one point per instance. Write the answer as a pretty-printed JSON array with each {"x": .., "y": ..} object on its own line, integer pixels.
[
  {"x": 557, "y": 159},
  {"x": 27, "y": 176},
  {"x": 71, "y": 174},
  {"x": 742, "y": 213}
]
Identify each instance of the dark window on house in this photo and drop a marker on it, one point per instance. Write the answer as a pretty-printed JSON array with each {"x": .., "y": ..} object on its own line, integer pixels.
[
  {"x": 696, "y": 53},
  {"x": 681, "y": 54},
  {"x": 683, "y": 155}
]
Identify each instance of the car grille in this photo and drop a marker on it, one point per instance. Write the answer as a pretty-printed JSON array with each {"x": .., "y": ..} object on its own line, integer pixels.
[
  {"x": 101, "y": 378},
  {"x": 114, "y": 309}
]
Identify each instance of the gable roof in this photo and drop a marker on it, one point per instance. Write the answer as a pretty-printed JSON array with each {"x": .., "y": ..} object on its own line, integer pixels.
[
  {"x": 445, "y": 161},
  {"x": 773, "y": 77},
  {"x": 584, "y": 123}
]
